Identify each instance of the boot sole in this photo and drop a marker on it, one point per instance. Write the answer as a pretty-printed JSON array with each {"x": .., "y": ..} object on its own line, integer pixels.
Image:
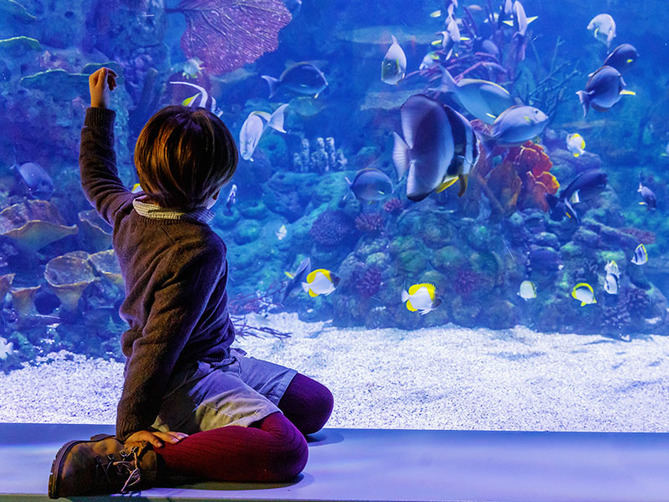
[
  {"x": 56, "y": 467},
  {"x": 57, "y": 464}
]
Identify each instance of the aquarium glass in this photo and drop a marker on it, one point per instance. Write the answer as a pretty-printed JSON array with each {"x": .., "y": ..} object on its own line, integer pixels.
[{"x": 451, "y": 213}]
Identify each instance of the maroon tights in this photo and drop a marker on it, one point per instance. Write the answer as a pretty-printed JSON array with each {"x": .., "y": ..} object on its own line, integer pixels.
[{"x": 272, "y": 449}]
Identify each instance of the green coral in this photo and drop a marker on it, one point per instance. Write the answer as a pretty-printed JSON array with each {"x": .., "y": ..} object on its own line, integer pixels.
[
  {"x": 60, "y": 83},
  {"x": 14, "y": 8},
  {"x": 18, "y": 46}
]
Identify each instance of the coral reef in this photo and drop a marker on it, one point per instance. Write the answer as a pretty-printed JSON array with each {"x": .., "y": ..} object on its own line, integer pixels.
[
  {"x": 369, "y": 283},
  {"x": 320, "y": 156},
  {"x": 332, "y": 228},
  {"x": 369, "y": 223}
]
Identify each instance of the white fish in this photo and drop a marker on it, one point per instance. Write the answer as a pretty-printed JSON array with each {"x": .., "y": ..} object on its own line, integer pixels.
[
  {"x": 5, "y": 348},
  {"x": 575, "y": 144},
  {"x": 575, "y": 199},
  {"x": 421, "y": 298},
  {"x": 282, "y": 232},
  {"x": 254, "y": 126},
  {"x": 527, "y": 290},
  {"x": 320, "y": 282},
  {"x": 394, "y": 65},
  {"x": 612, "y": 268},
  {"x": 640, "y": 255},
  {"x": 611, "y": 284},
  {"x": 521, "y": 21},
  {"x": 204, "y": 98},
  {"x": 584, "y": 293},
  {"x": 192, "y": 68},
  {"x": 603, "y": 28}
]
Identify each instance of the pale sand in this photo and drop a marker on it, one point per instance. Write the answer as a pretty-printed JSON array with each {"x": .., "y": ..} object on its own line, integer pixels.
[{"x": 437, "y": 378}]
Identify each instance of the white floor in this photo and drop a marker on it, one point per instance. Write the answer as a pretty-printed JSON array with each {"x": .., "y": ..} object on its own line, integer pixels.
[{"x": 399, "y": 465}]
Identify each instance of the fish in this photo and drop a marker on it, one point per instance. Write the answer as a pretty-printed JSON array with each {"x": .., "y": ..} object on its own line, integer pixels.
[
  {"x": 430, "y": 60},
  {"x": 611, "y": 284},
  {"x": 648, "y": 196},
  {"x": 584, "y": 293},
  {"x": 611, "y": 268},
  {"x": 231, "y": 199},
  {"x": 192, "y": 68},
  {"x": 515, "y": 126},
  {"x": 202, "y": 93},
  {"x": 438, "y": 147},
  {"x": 585, "y": 182},
  {"x": 36, "y": 179},
  {"x": 255, "y": 125},
  {"x": 282, "y": 232},
  {"x": 528, "y": 290},
  {"x": 603, "y": 90},
  {"x": 6, "y": 348},
  {"x": 299, "y": 78},
  {"x": 576, "y": 144},
  {"x": 603, "y": 28},
  {"x": 136, "y": 188},
  {"x": 520, "y": 20},
  {"x": 420, "y": 298},
  {"x": 622, "y": 57},
  {"x": 640, "y": 255},
  {"x": 370, "y": 184},
  {"x": 483, "y": 99},
  {"x": 394, "y": 64},
  {"x": 320, "y": 282},
  {"x": 298, "y": 277},
  {"x": 435, "y": 14}
]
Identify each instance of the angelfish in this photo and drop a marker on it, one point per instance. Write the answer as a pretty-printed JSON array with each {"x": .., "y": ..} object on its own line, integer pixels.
[
  {"x": 438, "y": 147},
  {"x": 584, "y": 293},
  {"x": 394, "y": 65},
  {"x": 575, "y": 144},
  {"x": 254, "y": 126},
  {"x": 420, "y": 298},
  {"x": 298, "y": 277},
  {"x": 320, "y": 282}
]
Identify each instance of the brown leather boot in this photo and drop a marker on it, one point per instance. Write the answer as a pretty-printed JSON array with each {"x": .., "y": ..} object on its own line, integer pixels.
[{"x": 102, "y": 466}]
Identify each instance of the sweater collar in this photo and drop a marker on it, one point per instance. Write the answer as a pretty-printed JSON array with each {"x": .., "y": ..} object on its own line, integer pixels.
[{"x": 154, "y": 211}]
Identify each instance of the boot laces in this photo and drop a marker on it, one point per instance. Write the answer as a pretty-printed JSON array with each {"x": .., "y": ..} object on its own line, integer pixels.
[{"x": 115, "y": 470}]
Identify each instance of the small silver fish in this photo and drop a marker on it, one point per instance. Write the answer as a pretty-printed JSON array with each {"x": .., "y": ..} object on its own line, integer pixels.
[
  {"x": 603, "y": 28},
  {"x": 394, "y": 65}
]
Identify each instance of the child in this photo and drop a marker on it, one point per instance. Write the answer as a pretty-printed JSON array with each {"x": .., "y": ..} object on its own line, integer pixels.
[{"x": 191, "y": 405}]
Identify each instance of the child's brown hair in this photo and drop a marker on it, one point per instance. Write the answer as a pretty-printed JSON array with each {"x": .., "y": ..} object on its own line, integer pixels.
[{"x": 184, "y": 156}]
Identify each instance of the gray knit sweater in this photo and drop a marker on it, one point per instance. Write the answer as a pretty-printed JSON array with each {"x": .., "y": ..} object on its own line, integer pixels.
[{"x": 175, "y": 273}]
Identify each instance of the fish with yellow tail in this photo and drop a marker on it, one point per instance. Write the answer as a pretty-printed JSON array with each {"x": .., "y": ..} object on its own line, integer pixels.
[
  {"x": 420, "y": 298},
  {"x": 320, "y": 282},
  {"x": 575, "y": 144},
  {"x": 584, "y": 293},
  {"x": 640, "y": 255}
]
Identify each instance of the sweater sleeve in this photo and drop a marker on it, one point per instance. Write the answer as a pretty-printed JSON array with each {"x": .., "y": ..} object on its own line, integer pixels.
[
  {"x": 97, "y": 164},
  {"x": 176, "y": 309}
]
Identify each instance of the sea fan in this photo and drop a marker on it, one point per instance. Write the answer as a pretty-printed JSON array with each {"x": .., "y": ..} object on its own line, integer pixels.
[{"x": 227, "y": 34}]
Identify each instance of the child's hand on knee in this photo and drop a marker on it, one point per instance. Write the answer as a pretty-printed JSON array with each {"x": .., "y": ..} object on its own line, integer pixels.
[
  {"x": 155, "y": 438},
  {"x": 101, "y": 83}
]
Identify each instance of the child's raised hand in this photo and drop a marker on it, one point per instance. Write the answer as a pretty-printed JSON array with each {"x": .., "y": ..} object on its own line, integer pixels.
[{"x": 101, "y": 83}]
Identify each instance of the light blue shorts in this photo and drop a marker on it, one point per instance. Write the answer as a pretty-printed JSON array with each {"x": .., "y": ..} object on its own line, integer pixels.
[{"x": 236, "y": 391}]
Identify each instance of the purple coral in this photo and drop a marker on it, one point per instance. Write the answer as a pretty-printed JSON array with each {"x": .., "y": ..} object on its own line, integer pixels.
[
  {"x": 393, "y": 206},
  {"x": 370, "y": 282},
  {"x": 466, "y": 281},
  {"x": 370, "y": 223},
  {"x": 331, "y": 228},
  {"x": 227, "y": 35}
]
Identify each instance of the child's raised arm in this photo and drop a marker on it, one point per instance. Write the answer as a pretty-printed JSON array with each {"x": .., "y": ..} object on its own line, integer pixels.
[{"x": 97, "y": 159}]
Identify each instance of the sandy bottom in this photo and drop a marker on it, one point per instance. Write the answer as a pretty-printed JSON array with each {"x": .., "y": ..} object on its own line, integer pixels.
[{"x": 437, "y": 378}]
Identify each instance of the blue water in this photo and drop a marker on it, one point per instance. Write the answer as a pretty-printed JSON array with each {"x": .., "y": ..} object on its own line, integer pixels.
[{"x": 470, "y": 254}]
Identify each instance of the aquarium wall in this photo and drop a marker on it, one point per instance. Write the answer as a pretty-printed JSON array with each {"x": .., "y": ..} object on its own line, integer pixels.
[{"x": 477, "y": 171}]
